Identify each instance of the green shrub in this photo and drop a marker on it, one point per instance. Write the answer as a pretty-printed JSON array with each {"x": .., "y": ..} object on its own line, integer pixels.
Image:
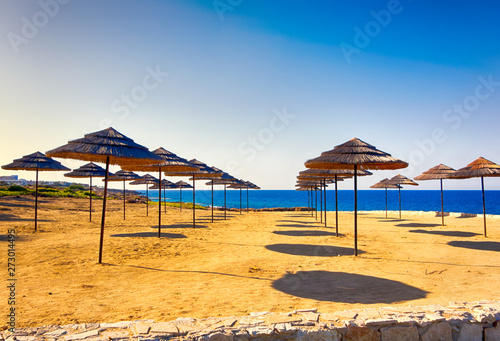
[
  {"x": 15, "y": 188},
  {"x": 47, "y": 190},
  {"x": 77, "y": 187}
]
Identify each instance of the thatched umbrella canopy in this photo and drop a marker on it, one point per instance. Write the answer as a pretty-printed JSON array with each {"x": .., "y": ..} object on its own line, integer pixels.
[
  {"x": 169, "y": 163},
  {"x": 89, "y": 170},
  {"x": 224, "y": 180},
  {"x": 165, "y": 184},
  {"x": 438, "y": 172},
  {"x": 313, "y": 186},
  {"x": 355, "y": 154},
  {"x": 180, "y": 185},
  {"x": 239, "y": 184},
  {"x": 479, "y": 168},
  {"x": 110, "y": 147},
  {"x": 146, "y": 180},
  {"x": 400, "y": 180},
  {"x": 250, "y": 185},
  {"x": 36, "y": 162},
  {"x": 384, "y": 183},
  {"x": 123, "y": 175},
  {"x": 203, "y": 172}
]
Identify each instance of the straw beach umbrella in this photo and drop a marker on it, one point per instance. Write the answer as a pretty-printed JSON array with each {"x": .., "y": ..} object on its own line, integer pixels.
[
  {"x": 106, "y": 146},
  {"x": 90, "y": 170},
  {"x": 250, "y": 185},
  {"x": 239, "y": 184},
  {"x": 35, "y": 162},
  {"x": 336, "y": 175},
  {"x": 384, "y": 184},
  {"x": 355, "y": 154},
  {"x": 400, "y": 180},
  {"x": 168, "y": 162},
  {"x": 124, "y": 176},
  {"x": 479, "y": 168},
  {"x": 224, "y": 180},
  {"x": 180, "y": 185},
  {"x": 438, "y": 172},
  {"x": 145, "y": 180}
]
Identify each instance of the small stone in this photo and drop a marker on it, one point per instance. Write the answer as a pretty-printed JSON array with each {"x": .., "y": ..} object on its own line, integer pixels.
[
  {"x": 361, "y": 334},
  {"x": 165, "y": 328},
  {"x": 259, "y": 331},
  {"x": 282, "y": 318},
  {"x": 310, "y": 316},
  {"x": 117, "y": 325},
  {"x": 399, "y": 333},
  {"x": 492, "y": 334},
  {"x": 439, "y": 331},
  {"x": 56, "y": 333},
  {"x": 221, "y": 337},
  {"x": 380, "y": 322},
  {"x": 347, "y": 314},
  {"x": 483, "y": 317},
  {"x": 470, "y": 332},
  {"x": 82, "y": 336},
  {"x": 229, "y": 322},
  {"x": 328, "y": 317},
  {"x": 90, "y": 326},
  {"x": 312, "y": 310},
  {"x": 250, "y": 321},
  {"x": 114, "y": 335}
]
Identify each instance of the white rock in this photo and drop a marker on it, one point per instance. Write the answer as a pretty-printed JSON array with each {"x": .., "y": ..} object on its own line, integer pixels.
[{"x": 470, "y": 332}]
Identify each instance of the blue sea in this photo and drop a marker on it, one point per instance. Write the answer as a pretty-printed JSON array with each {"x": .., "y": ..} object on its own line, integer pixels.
[{"x": 368, "y": 200}]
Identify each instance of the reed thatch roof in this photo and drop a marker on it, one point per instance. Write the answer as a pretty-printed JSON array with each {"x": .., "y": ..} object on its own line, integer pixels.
[
  {"x": 480, "y": 167},
  {"x": 169, "y": 163},
  {"x": 355, "y": 152},
  {"x": 88, "y": 170},
  {"x": 436, "y": 173},
  {"x": 225, "y": 179},
  {"x": 123, "y": 175},
  {"x": 317, "y": 178},
  {"x": 183, "y": 184},
  {"x": 384, "y": 184},
  {"x": 239, "y": 184},
  {"x": 252, "y": 185},
  {"x": 96, "y": 147},
  {"x": 36, "y": 161},
  {"x": 402, "y": 180},
  {"x": 165, "y": 184},
  {"x": 145, "y": 180},
  {"x": 203, "y": 172},
  {"x": 330, "y": 173}
]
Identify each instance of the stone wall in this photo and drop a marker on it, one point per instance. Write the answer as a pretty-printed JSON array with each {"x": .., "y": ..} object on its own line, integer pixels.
[{"x": 459, "y": 321}]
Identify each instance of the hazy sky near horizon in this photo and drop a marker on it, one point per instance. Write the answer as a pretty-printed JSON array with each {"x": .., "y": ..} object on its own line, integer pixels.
[{"x": 255, "y": 87}]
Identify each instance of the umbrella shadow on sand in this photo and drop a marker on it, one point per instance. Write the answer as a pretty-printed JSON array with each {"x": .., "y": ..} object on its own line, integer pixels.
[
  {"x": 298, "y": 225},
  {"x": 13, "y": 217},
  {"x": 150, "y": 234},
  {"x": 346, "y": 288},
  {"x": 181, "y": 226},
  {"x": 297, "y": 222},
  {"x": 306, "y": 233},
  {"x": 312, "y": 250},
  {"x": 483, "y": 246},
  {"x": 448, "y": 233},
  {"x": 418, "y": 225}
]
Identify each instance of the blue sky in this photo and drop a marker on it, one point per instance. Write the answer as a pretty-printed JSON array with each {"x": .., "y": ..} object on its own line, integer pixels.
[{"x": 255, "y": 87}]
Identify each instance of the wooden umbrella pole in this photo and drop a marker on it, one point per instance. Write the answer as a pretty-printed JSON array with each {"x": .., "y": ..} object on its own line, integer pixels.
[
  {"x": 316, "y": 201},
  {"x": 355, "y": 210},
  {"x": 123, "y": 199},
  {"x": 321, "y": 203},
  {"x": 164, "y": 199},
  {"x": 225, "y": 201},
  {"x": 336, "y": 208},
  {"x": 103, "y": 219},
  {"x": 386, "y": 202},
  {"x": 399, "y": 190},
  {"x": 484, "y": 205},
  {"x": 442, "y": 205},
  {"x": 159, "y": 204},
  {"x": 194, "y": 197},
  {"x": 212, "y": 201},
  {"x": 147, "y": 200},
  {"x": 324, "y": 193},
  {"x": 90, "y": 210},
  {"x": 36, "y": 200},
  {"x": 247, "y": 199},
  {"x": 240, "y": 200},
  {"x": 180, "y": 200}
]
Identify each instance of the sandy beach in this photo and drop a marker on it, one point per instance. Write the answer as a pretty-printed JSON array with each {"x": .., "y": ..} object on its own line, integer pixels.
[{"x": 260, "y": 261}]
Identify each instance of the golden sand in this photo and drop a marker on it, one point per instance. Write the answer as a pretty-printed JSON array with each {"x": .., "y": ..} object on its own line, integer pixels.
[{"x": 262, "y": 261}]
